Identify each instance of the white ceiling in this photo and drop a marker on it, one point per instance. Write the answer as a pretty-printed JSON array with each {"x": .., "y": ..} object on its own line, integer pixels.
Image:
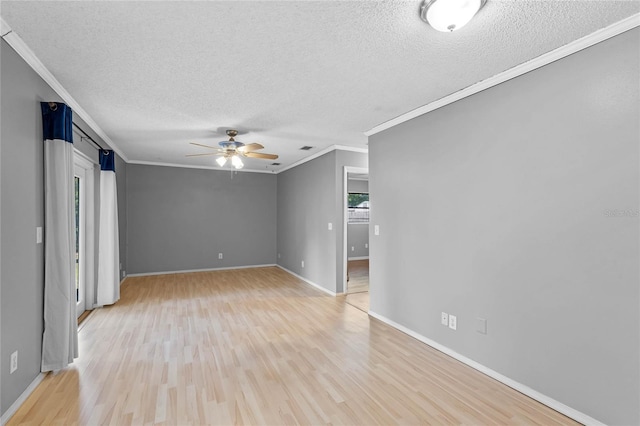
[{"x": 156, "y": 75}]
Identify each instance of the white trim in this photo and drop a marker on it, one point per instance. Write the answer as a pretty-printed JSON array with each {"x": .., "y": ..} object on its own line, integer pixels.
[
  {"x": 540, "y": 61},
  {"x": 189, "y": 166},
  {"x": 323, "y": 152},
  {"x": 345, "y": 220},
  {"x": 188, "y": 271},
  {"x": 22, "y": 398},
  {"x": 546, "y": 400},
  {"x": 359, "y": 258},
  {"x": 21, "y": 48},
  {"x": 358, "y": 223},
  {"x": 311, "y": 283}
]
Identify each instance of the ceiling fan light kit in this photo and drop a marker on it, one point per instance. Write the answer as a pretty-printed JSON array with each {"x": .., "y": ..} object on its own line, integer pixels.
[
  {"x": 449, "y": 15},
  {"x": 235, "y": 150}
]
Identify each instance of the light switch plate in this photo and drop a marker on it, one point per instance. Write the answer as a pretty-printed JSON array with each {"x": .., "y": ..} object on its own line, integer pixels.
[
  {"x": 481, "y": 325},
  {"x": 38, "y": 234},
  {"x": 330, "y": 226},
  {"x": 444, "y": 319},
  {"x": 376, "y": 229},
  {"x": 453, "y": 322}
]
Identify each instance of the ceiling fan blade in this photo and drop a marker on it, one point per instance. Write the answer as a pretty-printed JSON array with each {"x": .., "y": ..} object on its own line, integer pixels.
[
  {"x": 251, "y": 147},
  {"x": 260, "y": 155},
  {"x": 205, "y": 146},
  {"x": 200, "y": 155}
]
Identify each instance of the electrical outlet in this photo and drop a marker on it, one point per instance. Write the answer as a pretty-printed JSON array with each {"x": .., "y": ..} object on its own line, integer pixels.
[
  {"x": 14, "y": 362},
  {"x": 376, "y": 230},
  {"x": 330, "y": 226},
  {"x": 38, "y": 234},
  {"x": 279, "y": 256},
  {"x": 303, "y": 263},
  {"x": 219, "y": 255},
  {"x": 444, "y": 319},
  {"x": 366, "y": 245},
  {"x": 453, "y": 322},
  {"x": 353, "y": 248},
  {"x": 124, "y": 273},
  {"x": 481, "y": 325}
]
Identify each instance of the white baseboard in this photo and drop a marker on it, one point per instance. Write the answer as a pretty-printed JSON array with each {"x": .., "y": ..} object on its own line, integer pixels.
[
  {"x": 22, "y": 398},
  {"x": 311, "y": 283},
  {"x": 187, "y": 271},
  {"x": 359, "y": 258},
  {"x": 548, "y": 401}
]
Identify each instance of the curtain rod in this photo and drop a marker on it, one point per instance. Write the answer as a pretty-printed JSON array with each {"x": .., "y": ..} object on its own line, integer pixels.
[
  {"x": 54, "y": 106},
  {"x": 89, "y": 137}
]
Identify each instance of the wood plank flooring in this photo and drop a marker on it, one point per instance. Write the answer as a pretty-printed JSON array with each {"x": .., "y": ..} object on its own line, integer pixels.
[
  {"x": 358, "y": 276},
  {"x": 258, "y": 346}
]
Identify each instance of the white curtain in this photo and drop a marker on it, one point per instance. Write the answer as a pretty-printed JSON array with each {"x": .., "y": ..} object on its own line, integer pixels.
[
  {"x": 60, "y": 337},
  {"x": 108, "y": 242}
]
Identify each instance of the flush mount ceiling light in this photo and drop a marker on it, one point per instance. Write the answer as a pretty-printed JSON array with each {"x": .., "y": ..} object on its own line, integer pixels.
[{"x": 449, "y": 15}]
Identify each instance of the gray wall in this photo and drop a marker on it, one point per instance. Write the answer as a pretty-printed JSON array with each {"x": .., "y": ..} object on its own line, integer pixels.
[
  {"x": 306, "y": 205},
  {"x": 511, "y": 190},
  {"x": 354, "y": 185},
  {"x": 310, "y": 196},
  {"x": 357, "y": 240},
  {"x": 22, "y": 210},
  {"x": 180, "y": 219}
]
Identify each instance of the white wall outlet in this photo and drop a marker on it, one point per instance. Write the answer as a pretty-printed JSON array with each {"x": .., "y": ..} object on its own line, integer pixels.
[
  {"x": 219, "y": 255},
  {"x": 279, "y": 256},
  {"x": 366, "y": 245},
  {"x": 444, "y": 319},
  {"x": 124, "y": 274},
  {"x": 330, "y": 226},
  {"x": 14, "y": 362},
  {"x": 302, "y": 263},
  {"x": 453, "y": 322},
  {"x": 481, "y": 325},
  {"x": 38, "y": 234},
  {"x": 353, "y": 248},
  {"x": 376, "y": 229}
]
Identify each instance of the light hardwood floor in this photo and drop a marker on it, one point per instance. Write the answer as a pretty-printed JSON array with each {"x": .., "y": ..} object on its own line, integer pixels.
[
  {"x": 358, "y": 285},
  {"x": 258, "y": 346}
]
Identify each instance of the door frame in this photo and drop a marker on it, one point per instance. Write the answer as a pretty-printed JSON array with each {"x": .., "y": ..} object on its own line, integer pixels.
[
  {"x": 345, "y": 220},
  {"x": 87, "y": 244}
]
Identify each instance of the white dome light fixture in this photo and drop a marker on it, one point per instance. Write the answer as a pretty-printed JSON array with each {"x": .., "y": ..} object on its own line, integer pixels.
[{"x": 449, "y": 15}]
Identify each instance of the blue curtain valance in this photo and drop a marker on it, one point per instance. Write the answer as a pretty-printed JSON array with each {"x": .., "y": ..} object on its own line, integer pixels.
[
  {"x": 107, "y": 160},
  {"x": 57, "y": 121}
]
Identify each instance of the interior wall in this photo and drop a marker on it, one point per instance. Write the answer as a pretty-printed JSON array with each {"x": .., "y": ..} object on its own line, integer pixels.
[
  {"x": 357, "y": 240},
  {"x": 22, "y": 205},
  {"x": 306, "y": 206},
  {"x": 524, "y": 211},
  {"x": 357, "y": 185},
  {"x": 179, "y": 219}
]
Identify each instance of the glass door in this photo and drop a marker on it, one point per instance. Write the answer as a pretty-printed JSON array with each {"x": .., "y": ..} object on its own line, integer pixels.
[{"x": 80, "y": 231}]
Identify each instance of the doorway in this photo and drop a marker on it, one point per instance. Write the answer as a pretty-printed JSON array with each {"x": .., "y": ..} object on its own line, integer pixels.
[
  {"x": 83, "y": 183},
  {"x": 356, "y": 237}
]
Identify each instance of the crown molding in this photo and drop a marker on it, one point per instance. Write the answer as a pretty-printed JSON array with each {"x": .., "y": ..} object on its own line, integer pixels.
[
  {"x": 21, "y": 48},
  {"x": 323, "y": 152},
  {"x": 189, "y": 166},
  {"x": 575, "y": 46}
]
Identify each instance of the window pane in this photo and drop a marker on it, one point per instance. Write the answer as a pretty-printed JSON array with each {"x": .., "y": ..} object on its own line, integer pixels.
[{"x": 358, "y": 210}]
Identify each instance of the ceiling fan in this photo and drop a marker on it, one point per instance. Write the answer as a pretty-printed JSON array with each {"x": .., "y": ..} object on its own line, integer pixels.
[{"x": 233, "y": 150}]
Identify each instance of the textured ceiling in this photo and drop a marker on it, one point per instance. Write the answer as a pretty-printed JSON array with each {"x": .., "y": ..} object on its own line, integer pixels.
[{"x": 156, "y": 75}]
